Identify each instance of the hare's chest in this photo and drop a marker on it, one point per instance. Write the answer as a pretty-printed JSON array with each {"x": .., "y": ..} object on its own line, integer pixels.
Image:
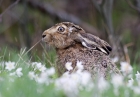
[{"x": 73, "y": 57}]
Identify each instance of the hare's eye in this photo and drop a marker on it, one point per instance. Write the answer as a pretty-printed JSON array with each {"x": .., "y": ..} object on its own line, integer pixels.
[{"x": 61, "y": 29}]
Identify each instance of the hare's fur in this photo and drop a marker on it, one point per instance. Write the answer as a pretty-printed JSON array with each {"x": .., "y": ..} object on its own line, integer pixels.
[{"x": 73, "y": 44}]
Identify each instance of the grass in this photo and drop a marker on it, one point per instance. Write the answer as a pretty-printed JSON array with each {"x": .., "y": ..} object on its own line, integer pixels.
[{"x": 38, "y": 81}]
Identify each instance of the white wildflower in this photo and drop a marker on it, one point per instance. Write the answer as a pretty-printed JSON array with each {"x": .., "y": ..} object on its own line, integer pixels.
[
  {"x": 10, "y": 65},
  {"x": 126, "y": 67},
  {"x": 18, "y": 72},
  {"x": 85, "y": 81},
  {"x": 85, "y": 78},
  {"x": 50, "y": 71},
  {"x": 102, "y": 84},
  {"x": 136, "y": 90},
  {"x": 33, "y": 64},
  {"x": 76, "y": 77},
  {"x": 117, "y": 80},
  {"x": 32, "y": 75},
  {"x": 137, "y": 76},
  {"x": 68, "y": 66},
  {"x": 115, "y": 59},
  {"x": 38, "y": 65},
  {"x": 42, "y": 78},
  {"x": 42, "y": 68},
  {"x": 68, "y": 85},
  {"x": 130, "y": 82},
  {"x": 71, "y": 83},
  {"x": 79, "y": 65},
  {"x": 66, "y": 73},
  {"x": 130, "y": 75}
]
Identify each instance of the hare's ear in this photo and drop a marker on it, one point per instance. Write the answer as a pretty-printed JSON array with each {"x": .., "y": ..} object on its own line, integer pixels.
[
  {"x": 92, "y": 42},
  {"x": 74, "y": 28}
]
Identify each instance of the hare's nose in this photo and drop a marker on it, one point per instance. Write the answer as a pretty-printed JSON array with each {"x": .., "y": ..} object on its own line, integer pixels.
[{"x": 43, "y": 36}]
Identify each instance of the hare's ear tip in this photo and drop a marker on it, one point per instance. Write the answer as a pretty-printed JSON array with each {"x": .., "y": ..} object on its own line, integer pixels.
[
  {"x": 106, "y": 50},
  {"x": 67, "y": 22},
  {"x": 109, "y": 48}
]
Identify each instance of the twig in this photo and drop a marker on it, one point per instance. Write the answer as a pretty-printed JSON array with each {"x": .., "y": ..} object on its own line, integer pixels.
[
  {"x": 97, "y": 6},
  {"x": 132, "y": 6},
  {"x": 129, "y": 44},
  {"x": 12, "y": 5},
  {"x": 32, "y": 47},
  {"x": 126, "y": 54},
  {"x": 126, "y": 51}
]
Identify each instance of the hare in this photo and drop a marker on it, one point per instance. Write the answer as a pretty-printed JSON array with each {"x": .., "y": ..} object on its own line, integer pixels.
[{"x": 73, "y": 44}]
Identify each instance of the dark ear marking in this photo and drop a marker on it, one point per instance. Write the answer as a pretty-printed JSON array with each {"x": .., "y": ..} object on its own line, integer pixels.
[
  {"x": 87, "y": 45},
  {"x": 92, "y": 42},
  {"x": 107, "y": 52},
  {"x": 109, "y": 48},
  {"x": 77, "y": 27},
  {"x": 66, "y": 23}
]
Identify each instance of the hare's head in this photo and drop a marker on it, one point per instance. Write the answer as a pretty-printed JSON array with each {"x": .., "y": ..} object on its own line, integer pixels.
[
  {"x": 61, "y": 35},
  {"x": 66, "y": 34}
]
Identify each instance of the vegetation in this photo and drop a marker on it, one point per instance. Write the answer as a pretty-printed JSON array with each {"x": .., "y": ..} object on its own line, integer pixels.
[{"x": 21, "y": 77}]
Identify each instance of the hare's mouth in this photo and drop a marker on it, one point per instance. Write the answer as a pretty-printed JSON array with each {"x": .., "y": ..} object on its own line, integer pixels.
[
  {"x": 46, "y": 38},
  {"x": 43, "y": 40}
]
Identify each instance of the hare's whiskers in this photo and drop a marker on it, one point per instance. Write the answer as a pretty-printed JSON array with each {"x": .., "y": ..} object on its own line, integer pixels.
[{"x": 33, "y": 46}]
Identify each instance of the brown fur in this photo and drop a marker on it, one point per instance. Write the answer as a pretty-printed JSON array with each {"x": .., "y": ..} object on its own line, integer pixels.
[
  {"x": 97, "y": 63},
  {"x": 74, "y": 44}
]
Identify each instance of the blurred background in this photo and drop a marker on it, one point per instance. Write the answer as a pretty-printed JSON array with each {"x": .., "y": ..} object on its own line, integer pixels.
[{"x": 22, "y": 23}]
